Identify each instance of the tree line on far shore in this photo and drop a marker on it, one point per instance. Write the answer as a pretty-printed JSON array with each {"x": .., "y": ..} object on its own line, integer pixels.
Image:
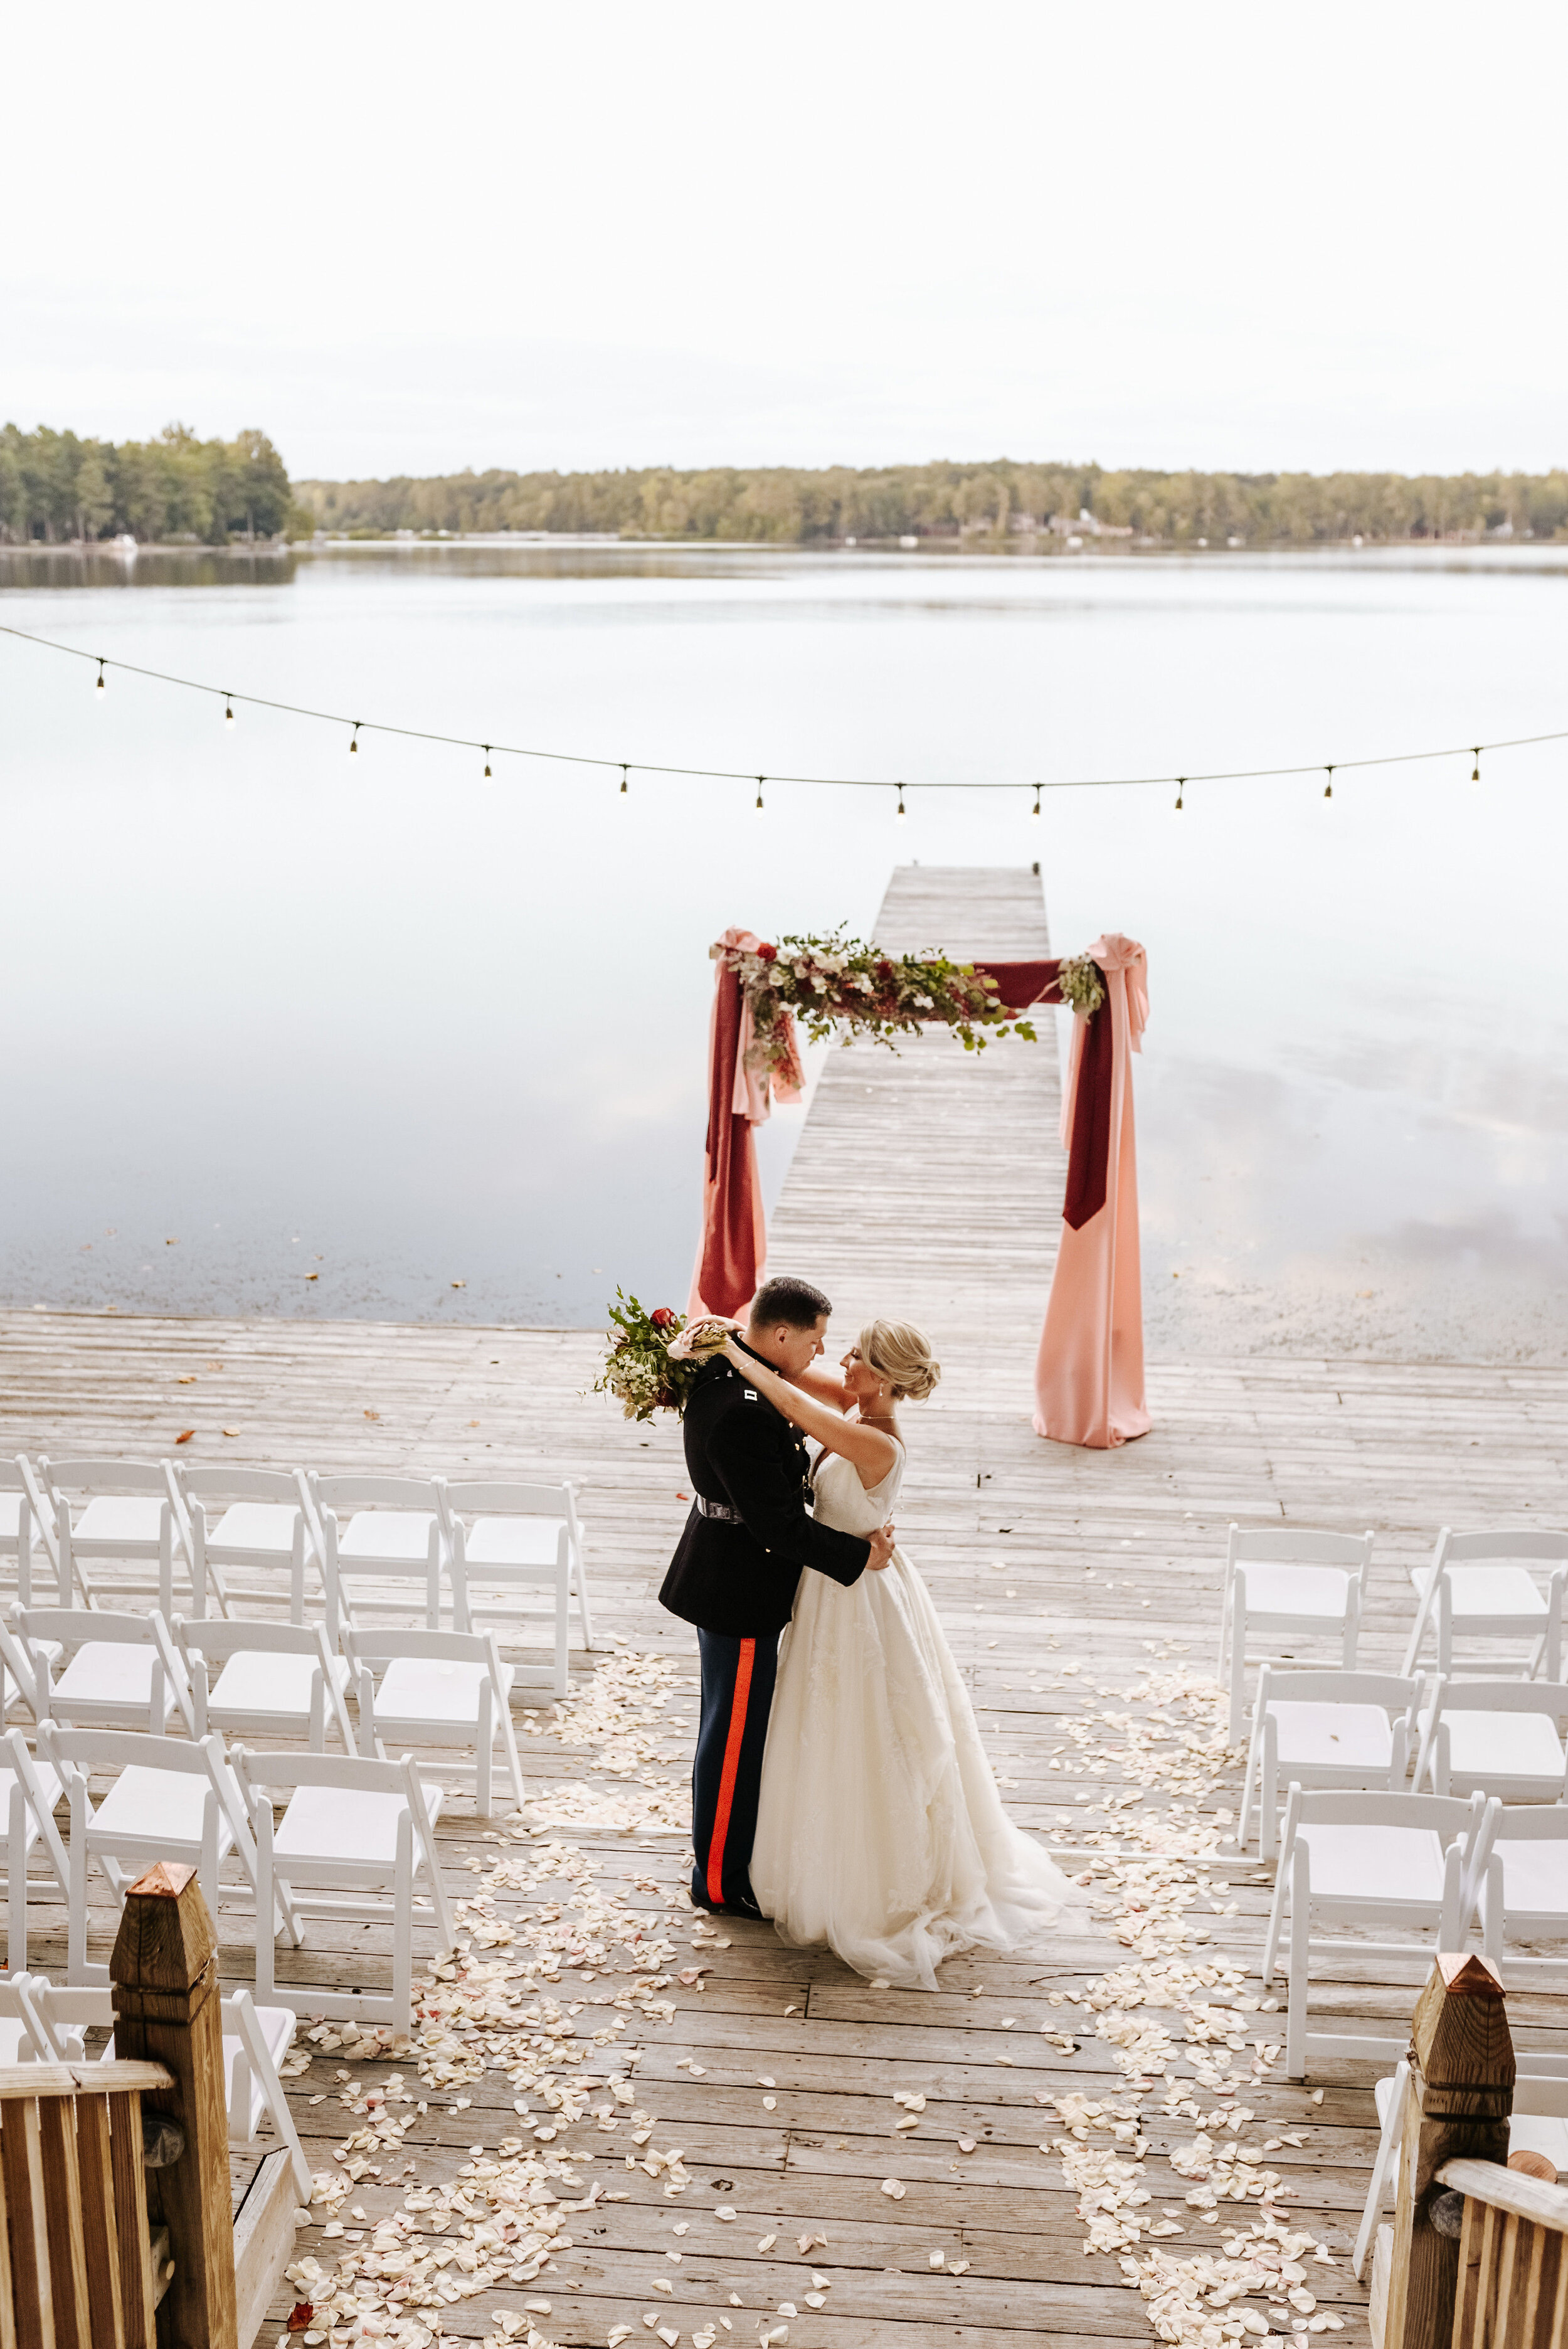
[
  {"x": 995, "y": 500},
  {"x": 56, "y": 487}
]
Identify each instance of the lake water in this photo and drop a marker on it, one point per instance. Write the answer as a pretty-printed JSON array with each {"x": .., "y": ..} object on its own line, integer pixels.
[{"x": 272, "y": 1012}]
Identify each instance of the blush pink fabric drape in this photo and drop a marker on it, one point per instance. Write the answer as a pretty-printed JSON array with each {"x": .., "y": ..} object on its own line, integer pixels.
[{"x": 1089, "y": 1376}]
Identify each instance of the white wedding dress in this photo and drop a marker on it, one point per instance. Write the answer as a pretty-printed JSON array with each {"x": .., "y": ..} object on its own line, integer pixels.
[{"x": 880, "y": 1831}]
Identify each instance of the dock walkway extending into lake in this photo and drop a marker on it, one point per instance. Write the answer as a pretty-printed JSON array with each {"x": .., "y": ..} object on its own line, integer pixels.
[{"x": 927, "y": 1184}]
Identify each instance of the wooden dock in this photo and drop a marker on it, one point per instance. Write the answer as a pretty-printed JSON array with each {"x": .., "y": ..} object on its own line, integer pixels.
[{"x": 927, "y": 1184}]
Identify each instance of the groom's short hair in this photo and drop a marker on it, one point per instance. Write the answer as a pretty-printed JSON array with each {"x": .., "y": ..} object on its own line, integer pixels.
[{"x": 794, "y": 1303}]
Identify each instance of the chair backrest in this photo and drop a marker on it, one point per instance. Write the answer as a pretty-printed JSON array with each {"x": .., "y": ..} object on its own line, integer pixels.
[
  {"x": 475, "y": 1500},
  {"x": 443, "y": 1647},
  {"x": 1298, "y": 1546},
  {"x": 1394, "y": 1693},
  {"x": 1445, "y": 1816},
  {"x": 286, "y": 1771},
  {"x": 202, "y": 1635},
  {"x": 1503, "y": 1546},
  {"x": 74, "y": 1627},
  {"x": 1532, "y": 1823},
  {"x": 224, "y": 1484},
  {"x": 43, "y": 1506},
  {"x": 105, "y": 1475},
  {"x": 1549, "y": 1697},
  {"x": 376, "y": 1492}
]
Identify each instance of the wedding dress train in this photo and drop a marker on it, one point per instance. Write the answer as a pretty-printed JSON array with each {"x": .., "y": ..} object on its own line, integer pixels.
[{"x": 880, "y": 1830}]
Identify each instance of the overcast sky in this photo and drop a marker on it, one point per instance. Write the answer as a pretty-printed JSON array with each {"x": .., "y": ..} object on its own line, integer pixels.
[{"x": 408, "y": 239}]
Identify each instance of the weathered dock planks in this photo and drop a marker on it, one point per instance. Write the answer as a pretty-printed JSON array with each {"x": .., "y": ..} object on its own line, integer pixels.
[{"x": 927, "y": 1184}]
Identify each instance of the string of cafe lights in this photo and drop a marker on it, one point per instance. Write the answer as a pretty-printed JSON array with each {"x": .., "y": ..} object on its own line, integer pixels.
[{"x": 626, "y": 768}]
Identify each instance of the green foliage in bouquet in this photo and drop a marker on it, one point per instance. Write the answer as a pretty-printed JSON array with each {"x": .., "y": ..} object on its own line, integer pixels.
[{"x": 640, "y": 1371}]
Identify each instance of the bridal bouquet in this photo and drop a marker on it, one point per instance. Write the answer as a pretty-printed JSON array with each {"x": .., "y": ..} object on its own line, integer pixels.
[{"x": 654, "y": 1358}]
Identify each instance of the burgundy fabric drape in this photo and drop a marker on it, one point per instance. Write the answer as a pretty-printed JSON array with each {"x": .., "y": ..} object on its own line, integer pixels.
[{"x": 1020, "y": 984}]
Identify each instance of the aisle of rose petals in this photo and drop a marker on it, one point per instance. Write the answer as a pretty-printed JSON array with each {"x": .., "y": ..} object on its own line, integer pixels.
[{"x": 536, "y": 1913}]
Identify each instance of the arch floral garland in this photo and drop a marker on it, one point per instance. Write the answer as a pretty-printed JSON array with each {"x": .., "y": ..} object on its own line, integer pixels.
[{"x": 839, "y": 984}]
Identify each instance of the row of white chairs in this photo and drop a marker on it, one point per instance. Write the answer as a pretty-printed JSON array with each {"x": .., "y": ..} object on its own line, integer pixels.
[
  {"x": 1348, "y": 1729},
  {"x": 86, "y": 1668},
  {"x": 42, "y": 2021},
  {"x": 355, "y": 1843},
  {"x": 472, "y": 1550},
  {"x": 1289, "y": 1582}
]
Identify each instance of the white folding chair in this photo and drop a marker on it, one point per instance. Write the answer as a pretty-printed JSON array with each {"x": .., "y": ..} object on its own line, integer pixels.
[
  {"x": 1288, "y": 1580},
  {"x": 118, "y": 1672},
  {"x": 439, "y": 1688},
  {"x": 1523, "y": 1892},
  {"x": 18, "y": 2024},
  {"x": 1539, "y": 2124},
  {"x": 393, "y": 1534},
  {"x": 356, "y": 1843},
  {"x": 1365, "y": 1860},
  {"x": 274, "y": 1680},
  {"x": 23, "y": 1530},
  {"x": 1326, "y": 1729},
  {"x": 131, "y": 1514},
  {"x": 29, "y": 1790},
  {"x": 169, "y": 1801},
  {"x": 1483, "y": 1586},
  {"x": 256, "y": 2040},
  {"x": 258, "y": 1519},
  {"x": 521, "y": 1537},
  {"x": 1500, "y": 1734}
]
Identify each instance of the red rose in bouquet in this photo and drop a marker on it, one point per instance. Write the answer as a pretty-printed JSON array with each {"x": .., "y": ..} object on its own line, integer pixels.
[{"x": 767, "y": 954}]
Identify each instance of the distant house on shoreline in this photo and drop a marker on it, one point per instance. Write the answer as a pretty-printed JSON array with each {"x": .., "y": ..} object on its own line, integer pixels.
[{"x": 1087, "y": 525}]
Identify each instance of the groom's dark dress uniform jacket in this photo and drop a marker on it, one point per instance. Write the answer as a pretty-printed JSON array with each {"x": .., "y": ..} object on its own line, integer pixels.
[{"x": 734, "y": 1576}]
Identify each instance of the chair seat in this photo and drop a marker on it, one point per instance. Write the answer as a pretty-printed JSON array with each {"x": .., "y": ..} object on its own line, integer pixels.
[
  {"x": 121, "y": 1516},
  {"x": 106, "y": 1672},
  {"x": 1321, "y": 1592},
  {"x": 1479, "y": 1591},
  {"x": 1527, "y": 2132},
  {"x": 255, "y": 1524},
  {"x": 257, "y": 1681},
  {"x": 1534, "y": 1878},
  {"x": 334, "y": 1827},
  {"x": 513, "y": 1541},
  {"x": 144, "y": 1805},
  {"x": 419, "y": 1690},
  {"x": 11, "y": 1508},
  {"x": 15, "y": 2046},
  {"x": 47, "y": 1780},
  {"x": 1503, "y": 1745},
  {"x": 1341, "y": 1736},
  {"x": 396, "y": 1534},
  {"x": 1383, "y": 1866}
]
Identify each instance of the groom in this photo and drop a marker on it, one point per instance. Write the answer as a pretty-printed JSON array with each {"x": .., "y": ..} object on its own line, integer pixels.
[{"x": 734, "y": 1571}]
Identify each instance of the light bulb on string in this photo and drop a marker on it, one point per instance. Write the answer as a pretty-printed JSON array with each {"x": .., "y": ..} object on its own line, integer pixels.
[
  {"x": 1181, "y": 787},
  {"x": 99, "y": 687},
  {"x": 1328, "y": 786},
  {"x": 487, "y": 776},
  {"x": 228, "y": 710},
  {"x": 1036, "y": 809},
  {"x": 1475, "y": 770},
  {"x": 901, "y": 809},
  {"x": 760, "y": 809},
  {"x": 623, "y": 790},
  {"x": 353, "y": 740}
]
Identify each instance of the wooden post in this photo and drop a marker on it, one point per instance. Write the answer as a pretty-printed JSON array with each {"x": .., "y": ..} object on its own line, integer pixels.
[
  {"x": 1463, "y": 2096},
  {"x": 167, "y": 2009}
]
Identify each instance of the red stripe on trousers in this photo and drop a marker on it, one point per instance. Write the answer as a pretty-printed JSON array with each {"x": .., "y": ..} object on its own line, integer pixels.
[{"x": 731, "y": 1771}]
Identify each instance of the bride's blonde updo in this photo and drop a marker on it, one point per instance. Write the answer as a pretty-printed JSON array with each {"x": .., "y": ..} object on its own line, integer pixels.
[{"x": 899, "y": 1352}]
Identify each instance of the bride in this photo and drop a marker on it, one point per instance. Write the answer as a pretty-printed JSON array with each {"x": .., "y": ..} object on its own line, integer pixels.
[{"x": 880, "y": 1830}]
